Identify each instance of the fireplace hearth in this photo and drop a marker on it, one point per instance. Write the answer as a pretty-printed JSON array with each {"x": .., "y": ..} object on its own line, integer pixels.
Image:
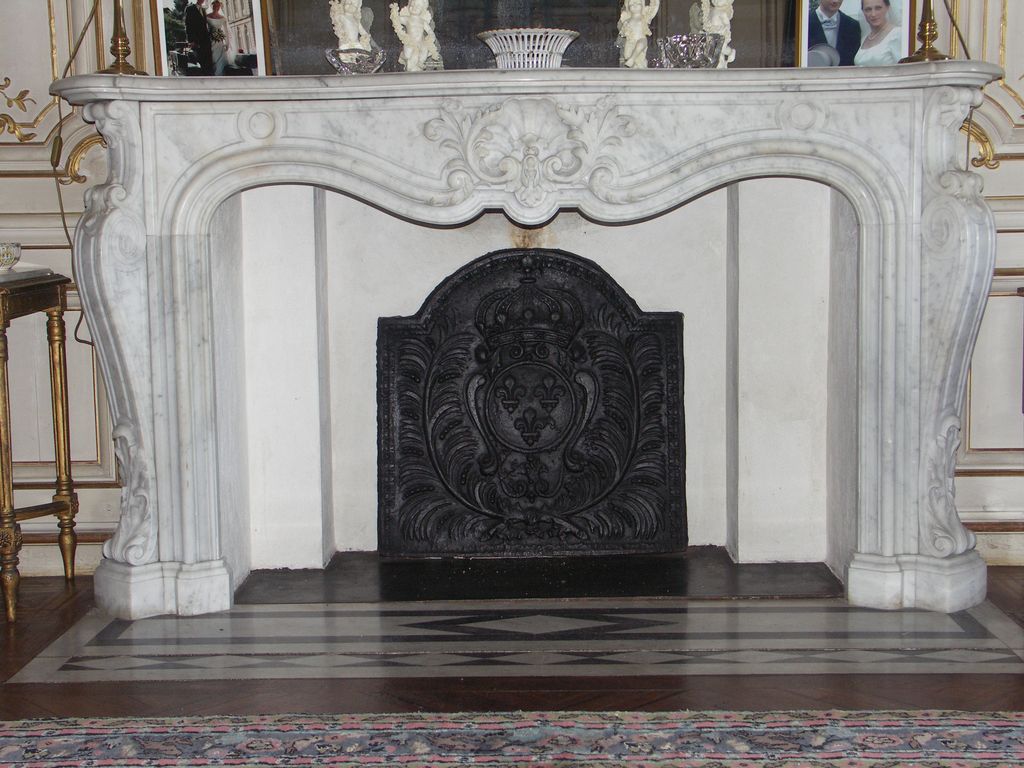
[{"x": 530, "y": 408}]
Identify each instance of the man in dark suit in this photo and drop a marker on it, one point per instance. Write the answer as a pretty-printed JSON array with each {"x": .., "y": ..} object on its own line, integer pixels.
[
  {"x": 830, "y": 26},
  {"x": 197, "y": 32}
]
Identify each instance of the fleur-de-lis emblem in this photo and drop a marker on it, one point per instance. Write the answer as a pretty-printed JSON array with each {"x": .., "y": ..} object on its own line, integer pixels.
[
  {"x": 548, "y": 393},
  {"x": 530, "y": 424},
  {"x": 509, "y": 392}
]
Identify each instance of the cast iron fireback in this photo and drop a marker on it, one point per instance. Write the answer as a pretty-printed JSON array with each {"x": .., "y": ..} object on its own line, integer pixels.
[{"x": 530, "y": 408}]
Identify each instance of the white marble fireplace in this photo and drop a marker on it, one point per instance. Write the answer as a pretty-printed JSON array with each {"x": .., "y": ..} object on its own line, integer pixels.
[{"x": 226, "y": 309}]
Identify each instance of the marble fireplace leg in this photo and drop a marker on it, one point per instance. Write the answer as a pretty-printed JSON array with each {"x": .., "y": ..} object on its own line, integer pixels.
[
  {"x": 185, "y": 589},
  {"x": 165, "y": 555},
  {"x": 944, "y": 584}
]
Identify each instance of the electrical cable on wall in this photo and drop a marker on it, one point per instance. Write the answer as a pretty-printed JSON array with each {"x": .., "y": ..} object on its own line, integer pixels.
[
  {"x": 55, "y": 154},
  {"x": 967, "y": 55},
  {"x": 956, "y": 27}
]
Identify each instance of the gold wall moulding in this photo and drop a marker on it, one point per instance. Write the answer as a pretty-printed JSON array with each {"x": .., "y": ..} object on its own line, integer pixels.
[
  {"x": 72, "y": 171},
  {"x": 986, "y": 150},
  {"x": 9, "y": 123},
  {"x": 992, "y": 160},
  {"x": 987, "y": 156}
]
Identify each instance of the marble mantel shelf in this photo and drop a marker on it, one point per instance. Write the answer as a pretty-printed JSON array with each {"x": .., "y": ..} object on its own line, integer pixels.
[
  {"x": 616, "y": 145},
  {"x": 84, "y": 88}
]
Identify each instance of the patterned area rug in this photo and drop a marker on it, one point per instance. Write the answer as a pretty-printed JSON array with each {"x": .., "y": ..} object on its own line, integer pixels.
[{"x": 701, "y": 739}]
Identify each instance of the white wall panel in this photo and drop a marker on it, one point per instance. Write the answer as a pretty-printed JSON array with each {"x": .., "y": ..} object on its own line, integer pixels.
[
  {"x": 282, "y": 412},
  {"x": 990, "y": 483},
  {"x": 996, "y": 422},
  {"x": 782, "y": 376}
]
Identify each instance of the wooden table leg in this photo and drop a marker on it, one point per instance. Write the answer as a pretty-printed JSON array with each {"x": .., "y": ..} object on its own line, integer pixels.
[
  {"x": 65, "y": 492},
  {"x": 10, "y": 532}
]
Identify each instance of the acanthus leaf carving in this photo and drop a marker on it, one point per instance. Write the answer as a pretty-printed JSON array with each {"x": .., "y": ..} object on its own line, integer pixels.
[
  {"x": 529, "y": 146},
  {"x": 945, "y": 111},
  {"x": 945, "y": 534},
  {"x": 133, "y": 542}
]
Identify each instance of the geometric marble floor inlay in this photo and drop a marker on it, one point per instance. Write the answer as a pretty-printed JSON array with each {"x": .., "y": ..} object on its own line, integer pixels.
[{"x": 489, "y": 638}]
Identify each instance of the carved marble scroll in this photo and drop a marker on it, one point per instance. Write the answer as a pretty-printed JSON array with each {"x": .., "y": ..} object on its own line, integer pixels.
[{"x": 111, "y": 274}]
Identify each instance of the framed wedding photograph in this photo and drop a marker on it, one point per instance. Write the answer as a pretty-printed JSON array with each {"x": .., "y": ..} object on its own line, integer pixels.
[
  {"x": 862, "y": 33},
  {"x": 221, "y": 38}
]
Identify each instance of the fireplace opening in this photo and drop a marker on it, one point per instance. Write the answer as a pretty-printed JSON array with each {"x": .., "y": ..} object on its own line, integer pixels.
[
  {"x": 770, "y": 340},
  {"x": 530, "y": 408}
]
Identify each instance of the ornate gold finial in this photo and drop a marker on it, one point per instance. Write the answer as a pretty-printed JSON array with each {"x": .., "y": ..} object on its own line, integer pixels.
[
  {"x": 120, "y": 48},
  {"x": 927, "y": 34}
]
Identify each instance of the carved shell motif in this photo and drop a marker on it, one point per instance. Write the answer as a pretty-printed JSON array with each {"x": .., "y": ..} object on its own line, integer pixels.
[{"x": 527, "y": 146}]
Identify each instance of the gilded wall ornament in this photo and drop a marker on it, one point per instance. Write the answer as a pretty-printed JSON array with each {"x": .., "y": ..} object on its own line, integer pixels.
[
  {"x": 73, "y": 168},
  {"x": 9, "y": 124}
]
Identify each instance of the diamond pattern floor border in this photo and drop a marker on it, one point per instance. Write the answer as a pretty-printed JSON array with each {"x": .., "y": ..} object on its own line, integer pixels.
[{"x": 665, "y": 636}]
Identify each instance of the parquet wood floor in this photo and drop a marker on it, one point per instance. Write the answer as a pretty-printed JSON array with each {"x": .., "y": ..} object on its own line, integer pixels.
[{"x": 47, "y": 608}]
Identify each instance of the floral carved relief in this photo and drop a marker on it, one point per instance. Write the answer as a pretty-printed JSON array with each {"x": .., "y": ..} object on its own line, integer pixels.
[
  {"x": 946, "y": 535},
  {"x": 132, "y": 542}
]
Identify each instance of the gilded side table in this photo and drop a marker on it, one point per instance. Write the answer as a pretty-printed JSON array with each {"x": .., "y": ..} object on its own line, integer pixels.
[{"x": 24, "y": 294}]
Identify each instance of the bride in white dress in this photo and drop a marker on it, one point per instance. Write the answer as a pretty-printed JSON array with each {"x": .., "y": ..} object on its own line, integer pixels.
[
  {"x": 220, "y": 39},
  {"x": 881, "y": 46}
]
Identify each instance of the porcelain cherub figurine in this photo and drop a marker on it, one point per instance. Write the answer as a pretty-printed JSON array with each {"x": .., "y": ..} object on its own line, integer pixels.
[
  {"x": 718, "y": 20},
  {"x": 347, "y": 20},
  {"x": 634, "y": 29},
  {"x": 414, "y": 26}
]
